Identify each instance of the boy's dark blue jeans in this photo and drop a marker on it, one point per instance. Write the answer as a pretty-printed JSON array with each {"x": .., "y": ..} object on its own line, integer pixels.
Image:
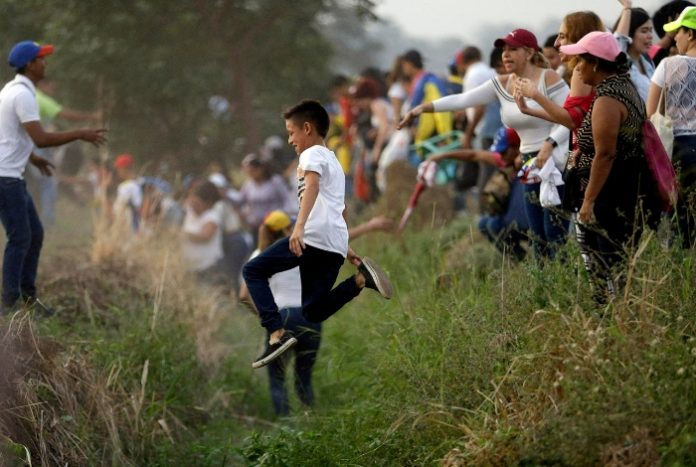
[
  {"x": 318, "y": 272},
  {"x": 24, "y": 240}
]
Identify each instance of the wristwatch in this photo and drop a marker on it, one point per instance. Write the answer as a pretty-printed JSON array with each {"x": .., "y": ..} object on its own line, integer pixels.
[{"x": 552, "y": 141}]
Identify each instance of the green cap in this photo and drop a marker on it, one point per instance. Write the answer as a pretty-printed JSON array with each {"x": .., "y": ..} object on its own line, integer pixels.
[{"x": 686, "y": 19}]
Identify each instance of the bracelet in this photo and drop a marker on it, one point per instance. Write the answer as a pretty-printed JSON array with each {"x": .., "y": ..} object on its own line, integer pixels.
[{"x": 552, "y": 141}]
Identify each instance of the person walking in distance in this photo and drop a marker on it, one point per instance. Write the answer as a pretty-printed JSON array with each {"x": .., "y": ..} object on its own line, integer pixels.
[{"x": 20, "y": 131}]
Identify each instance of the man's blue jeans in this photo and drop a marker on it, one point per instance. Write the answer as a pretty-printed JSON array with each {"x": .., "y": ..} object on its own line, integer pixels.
[
  {"x": 24, "y": 240},
  {"x": 308, "y": 340},
  {"x": 318, "y": 272}
]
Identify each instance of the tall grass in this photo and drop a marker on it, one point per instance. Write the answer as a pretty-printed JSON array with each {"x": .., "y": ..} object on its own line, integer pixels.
[
  {"x": 503, "y": 364},
  {"x": 475, "y": 361}
]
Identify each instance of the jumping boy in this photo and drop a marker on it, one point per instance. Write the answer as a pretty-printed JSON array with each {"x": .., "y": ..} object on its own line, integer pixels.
[{"x": 319, "y": 241}]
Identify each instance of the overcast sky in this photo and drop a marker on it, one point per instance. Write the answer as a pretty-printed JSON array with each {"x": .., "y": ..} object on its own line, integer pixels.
[{"x": 441, "y": 19}]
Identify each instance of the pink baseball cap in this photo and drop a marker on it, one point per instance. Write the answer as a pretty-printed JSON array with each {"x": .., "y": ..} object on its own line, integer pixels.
[{"x": 598, "y": 43}]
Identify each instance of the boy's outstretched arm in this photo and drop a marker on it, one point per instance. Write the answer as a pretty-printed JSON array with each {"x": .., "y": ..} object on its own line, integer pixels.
[{"x": 309, "y": 197}]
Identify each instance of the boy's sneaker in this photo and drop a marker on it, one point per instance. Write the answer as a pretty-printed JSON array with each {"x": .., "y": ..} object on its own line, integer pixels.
[
  {"x": 274, "y": 351},
  {"x": 375, "y": 278}
]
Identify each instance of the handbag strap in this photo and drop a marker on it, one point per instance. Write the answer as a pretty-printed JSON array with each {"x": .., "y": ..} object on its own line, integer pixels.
[
  {"x": 661, "y": 103},
  {"x": 663, "y": 90}
]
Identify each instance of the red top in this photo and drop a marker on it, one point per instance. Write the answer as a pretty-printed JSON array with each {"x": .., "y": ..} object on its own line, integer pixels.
[{"x": 577, "y": 107}]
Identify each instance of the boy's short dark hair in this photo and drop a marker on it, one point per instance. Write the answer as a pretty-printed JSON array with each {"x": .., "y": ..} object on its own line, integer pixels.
[{"x": 309, "y": 111}]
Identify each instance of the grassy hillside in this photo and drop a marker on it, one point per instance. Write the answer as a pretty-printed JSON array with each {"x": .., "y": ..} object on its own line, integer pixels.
[{"x": 476, "y": 361}]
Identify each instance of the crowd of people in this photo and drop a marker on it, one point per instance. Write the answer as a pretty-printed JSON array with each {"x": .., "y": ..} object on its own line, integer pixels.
[{"x": 549, "y": 139}]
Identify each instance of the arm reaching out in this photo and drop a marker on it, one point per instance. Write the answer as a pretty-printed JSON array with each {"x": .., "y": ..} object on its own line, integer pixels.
[{"x": 45, "y": 139}]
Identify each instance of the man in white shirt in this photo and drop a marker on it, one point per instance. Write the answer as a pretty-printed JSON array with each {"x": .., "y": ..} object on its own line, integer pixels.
[{"x": 20, "y": 130}]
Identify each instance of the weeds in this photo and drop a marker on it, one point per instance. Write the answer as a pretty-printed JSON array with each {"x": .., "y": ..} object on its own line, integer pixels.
[{"x": 476, "y": 361}]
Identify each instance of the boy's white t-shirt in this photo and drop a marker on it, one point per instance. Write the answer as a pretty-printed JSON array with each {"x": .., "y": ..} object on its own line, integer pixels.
[
  {"x": 325, "y": 228},
  {"x": 201, "y": 256}
]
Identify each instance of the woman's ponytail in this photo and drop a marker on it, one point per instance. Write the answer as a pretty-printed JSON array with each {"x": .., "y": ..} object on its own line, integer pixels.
[{"x": 539, "y": 60}]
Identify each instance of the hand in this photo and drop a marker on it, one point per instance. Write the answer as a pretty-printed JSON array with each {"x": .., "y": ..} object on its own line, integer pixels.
[
  {"x": 297, "y": 244},
  {"x": 521, "y": 102},
  {"x": 586, "y": 213},
  {"x": 626, "y": 3},
  {"x": 410, "y": 116},
  {"x": 45, "y": 167},
  {"x": 353, "y": 257},
  {"x": 526, "y": 87},
  {"x": 96, "y": 137},
  {"x": 381, "y": 223},
  {"x": 544, "y": 154}
]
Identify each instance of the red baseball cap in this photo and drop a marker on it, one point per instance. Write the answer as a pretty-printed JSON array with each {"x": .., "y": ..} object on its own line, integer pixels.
[
  {"x": 518, "y": 38},
  {"x": 124, "y": 161}
]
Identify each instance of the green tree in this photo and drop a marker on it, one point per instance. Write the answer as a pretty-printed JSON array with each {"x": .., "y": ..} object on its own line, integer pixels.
[{"x": 152, "y": 66}]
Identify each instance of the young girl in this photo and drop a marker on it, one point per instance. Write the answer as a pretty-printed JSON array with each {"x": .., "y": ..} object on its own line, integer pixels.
[{"x": 202, "y": 242}]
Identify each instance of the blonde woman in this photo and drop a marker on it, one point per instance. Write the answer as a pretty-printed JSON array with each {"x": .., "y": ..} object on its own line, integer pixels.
[{"x": 521, "y": 58}]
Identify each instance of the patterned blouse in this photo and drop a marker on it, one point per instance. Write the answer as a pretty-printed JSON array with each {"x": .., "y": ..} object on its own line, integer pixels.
[{"x": 630, "y": 141}]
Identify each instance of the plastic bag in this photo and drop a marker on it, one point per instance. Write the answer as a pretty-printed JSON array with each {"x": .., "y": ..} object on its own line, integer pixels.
[{"x": 550, "y": 179}]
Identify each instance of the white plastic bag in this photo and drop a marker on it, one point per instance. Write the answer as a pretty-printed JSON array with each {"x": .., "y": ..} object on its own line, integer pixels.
[
  {"x": 550, "y": 178},
  {"x": 395, "y": 150},
  {"x": 663, "y": 125}
]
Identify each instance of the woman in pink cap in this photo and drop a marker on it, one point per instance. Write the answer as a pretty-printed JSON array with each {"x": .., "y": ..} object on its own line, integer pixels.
[
  {"x": 608, "y": 179},
  {"x": 573, "y": 27},
  {"x": 538, "y": 138}
]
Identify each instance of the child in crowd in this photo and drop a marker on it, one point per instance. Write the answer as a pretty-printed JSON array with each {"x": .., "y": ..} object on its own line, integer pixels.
[
  {"x": 202, "y": 242},
  {"x": 129, "y": 194},
  {"x": 235, "y": 245},
  {"x": 319, "y": 241}
]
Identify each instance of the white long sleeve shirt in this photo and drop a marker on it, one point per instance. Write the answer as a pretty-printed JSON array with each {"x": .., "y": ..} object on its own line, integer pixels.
[{"x": 533, "y": 131}]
